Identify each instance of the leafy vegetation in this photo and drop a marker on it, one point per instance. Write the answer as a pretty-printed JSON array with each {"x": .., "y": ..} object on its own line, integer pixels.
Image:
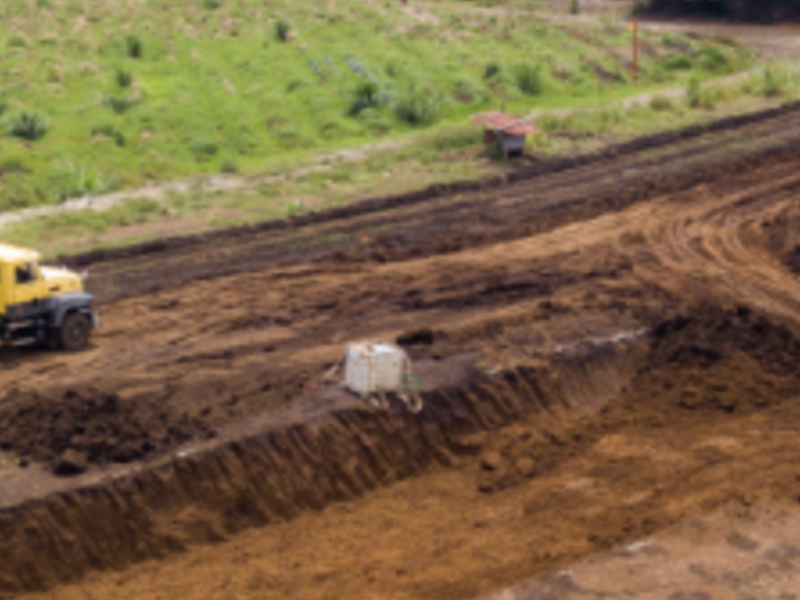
[
  {"x": 366, "y": 95},
  {"x": 73, "y": 180},
  {"x": 417, "y": 107},
  {"x": 110, "y": 132},
  {"x": 119, "y": 103},
  {"x": 282, "y": 30},
  {"x": 123, "y": 77},
  {"x": 491, "y": 70},
  {"x": 26, "y": 125},
  {"x": 771, "y": 86},
  {"x": 529, "y": 79},
  {"x": 134, "y": 46}
]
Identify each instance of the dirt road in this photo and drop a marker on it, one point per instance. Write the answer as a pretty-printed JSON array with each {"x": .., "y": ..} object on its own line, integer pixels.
[{"x": 576, "y": 396}]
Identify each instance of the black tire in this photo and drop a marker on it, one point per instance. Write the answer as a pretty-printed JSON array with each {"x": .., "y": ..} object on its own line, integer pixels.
[{"x": 75, "y": 331}]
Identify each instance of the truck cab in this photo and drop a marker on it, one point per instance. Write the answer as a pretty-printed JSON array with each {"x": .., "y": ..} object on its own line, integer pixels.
[{"x": 42, "y": 304}]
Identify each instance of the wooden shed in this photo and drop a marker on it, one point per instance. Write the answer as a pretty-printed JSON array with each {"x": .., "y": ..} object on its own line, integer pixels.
[{"x": 506, "y": 131}]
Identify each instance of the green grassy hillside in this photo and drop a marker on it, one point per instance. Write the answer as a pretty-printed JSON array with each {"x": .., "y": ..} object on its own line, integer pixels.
[{"x": 98, "y": 95}]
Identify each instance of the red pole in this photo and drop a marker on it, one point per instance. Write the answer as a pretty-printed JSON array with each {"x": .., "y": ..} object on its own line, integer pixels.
[{"x": 635, "y": 52}]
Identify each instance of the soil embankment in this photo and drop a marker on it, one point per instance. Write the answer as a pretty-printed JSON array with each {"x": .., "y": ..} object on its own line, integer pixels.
[{"x": 573, "y": 445}]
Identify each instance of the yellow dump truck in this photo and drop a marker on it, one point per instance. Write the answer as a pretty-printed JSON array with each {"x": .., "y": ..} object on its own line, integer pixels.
[{"x": 42, "y": 305}]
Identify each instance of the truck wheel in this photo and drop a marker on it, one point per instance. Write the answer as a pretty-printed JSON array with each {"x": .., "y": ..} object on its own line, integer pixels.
[{"x": 75, "y": 331}]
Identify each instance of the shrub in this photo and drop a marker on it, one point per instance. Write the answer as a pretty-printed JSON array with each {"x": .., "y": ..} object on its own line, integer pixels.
[
  {"x": 466, "y": 92},
  {"x": 26, "y": 125},
  {"x": 16, "y": 41},
  {"x": 212, "y": 4},
  {"x": 574, "y": 7},
  {"x": 529, "y": 79},
  {"x": 282, "y": 30},
  {"x": 677, "y": 63},
  {"x": 661, "y": 103},
  {"x": 417, "y": 108},
  {"x": 123, "y": 77},
  {"x": 676, "y": 42},
  {"x": 491, "y": 71},
  {"x": 19, "y": 191},
  {"x": 203, "y": 148},
  {"x": 110, "y": 132},
  {"x": 134, "y": 46},
  {"x": 294, "y": 84},
  {"x": 452, "y": 139},
  {"x": 72, "y": 180},
  {"x": 365, "y": 95},
  {"x": 696, "y": 97},
  {"x": 13, "y": 164},
  {"x": 3, "y": 107},
  {"x": 289, "y": 137},
  {"x": 771, "y": 86},
  {"x": 693, "y": 93},
  {"x": 712, "y": 60},
  {"x": 228, "y": 165},
  {"x": 374, "y": 121},
  {"x": 119, "y": 103},
  {"x": 318, "y": 68}
]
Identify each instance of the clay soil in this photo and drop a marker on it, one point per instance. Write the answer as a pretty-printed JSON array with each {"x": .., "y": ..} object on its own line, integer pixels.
[{"x": 645, "y": 297}]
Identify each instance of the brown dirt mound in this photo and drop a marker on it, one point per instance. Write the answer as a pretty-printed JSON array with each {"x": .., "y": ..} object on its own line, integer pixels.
[
  {"x": 736, "y": 383},
  {"x": 705, "y": 365},
  {"x": 78, "y": 427}
]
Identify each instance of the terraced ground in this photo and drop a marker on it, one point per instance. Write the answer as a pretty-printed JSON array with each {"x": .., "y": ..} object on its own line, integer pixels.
[{"x": 606, "y": 345}]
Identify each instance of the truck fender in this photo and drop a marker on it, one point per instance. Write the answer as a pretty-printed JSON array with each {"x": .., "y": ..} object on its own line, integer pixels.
[{"x": 71, "y": 302}]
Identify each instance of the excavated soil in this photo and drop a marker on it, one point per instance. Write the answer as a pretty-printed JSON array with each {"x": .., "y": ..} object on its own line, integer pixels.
[
  {"x": 92, "y": 425},
  {"x": 603, "y": 346},
  {"x": 542, "y": 466}
]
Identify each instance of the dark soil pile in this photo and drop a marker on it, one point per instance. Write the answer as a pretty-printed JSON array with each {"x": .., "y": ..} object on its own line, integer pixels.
[
  {"x": 703, "y": 336},
  {"x": 791, "y": 260},
  {"x": 714, "y": 359},
  {"x": 77, "y": 427}
]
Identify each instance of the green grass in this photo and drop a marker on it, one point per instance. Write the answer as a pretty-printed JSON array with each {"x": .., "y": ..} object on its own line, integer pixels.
[
  {"x": 136, "y": 92},
  {"x": 443, "y": 154}
]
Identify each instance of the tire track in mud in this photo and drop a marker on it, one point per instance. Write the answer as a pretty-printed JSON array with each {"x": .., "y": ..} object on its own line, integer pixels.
[
  {"x": 703, "y": 242},
  {"x": 457, "y": 215}
]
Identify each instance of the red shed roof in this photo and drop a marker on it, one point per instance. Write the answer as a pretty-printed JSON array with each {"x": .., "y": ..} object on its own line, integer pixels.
[{"x": 498, "y": 121}]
